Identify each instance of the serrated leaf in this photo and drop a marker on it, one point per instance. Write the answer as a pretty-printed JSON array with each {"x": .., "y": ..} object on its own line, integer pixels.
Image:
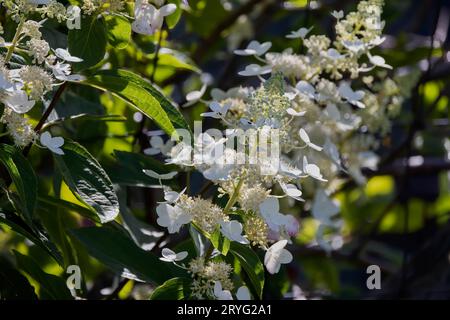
[
  {"x": 88, "y": 180},
  {"x": 141, "y": 95},
  {"x": 251, "y": 264},
  {"x": 88, "y": 43},
  {"x": 173, "y": 289},
  {"x": 119, "y": 252}
]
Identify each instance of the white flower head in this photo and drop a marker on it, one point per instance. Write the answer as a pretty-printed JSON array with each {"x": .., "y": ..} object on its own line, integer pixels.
[
  {"x": 300, "y": 33},
  {"x": 254, "y": 48},
  {"x": 304, "y": 136},
  {"x": 338, "y": 14},
  {"x": 312, "y": 170},
  {"x": 54, "y": 144},
  {"x": 217, "y": 111},
  {"x": 148, "y": 19},
  {"x": 233, "y": 231},
  {"x": 171, "y": 217},
  {"x": 291, "y": 190},
  {"x": 276, "y": 255},
  {"x": 255, "y": 70},
  {"x": 170, "y": 256}
]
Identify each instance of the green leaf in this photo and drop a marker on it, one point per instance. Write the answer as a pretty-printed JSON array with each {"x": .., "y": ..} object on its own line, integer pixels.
[
  {"x": 173, "y": 289},
  {"x": 174, "y": 59},
  {"x": 19, "y": 226},
  {"x": 51, "y": 286},
  {"x": 23, "y": 177},
  {"x": 14, "y": 286},
  {"x": 118, "y": 31},
  {"x": 251, "y": 264},
  {"x": 220, "y": 242},
  {"x": 88, "y": 43},
  {"x": 173, "y": 19},
  {"x": 87, "y": 180},
  {"x": 118, "y": 252},
  {"x": 46, "y": 201},
  {"x": 128, "y": 172},
  {"x": 140, "y": 94}
]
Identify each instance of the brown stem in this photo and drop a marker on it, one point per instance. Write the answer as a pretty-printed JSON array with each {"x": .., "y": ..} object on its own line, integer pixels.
[{"x": 46, "y": 114}]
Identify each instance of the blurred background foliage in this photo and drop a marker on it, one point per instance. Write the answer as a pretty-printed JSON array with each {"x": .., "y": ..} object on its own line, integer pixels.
[{"x": 399, "y": 220}]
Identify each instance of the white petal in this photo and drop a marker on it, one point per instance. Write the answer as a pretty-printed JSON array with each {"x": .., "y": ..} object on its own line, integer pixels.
[
  {"x": 181, "y": 255},
  {"x": 270, "y": 205},
  {"x": 243, "y": 293},
  {"x": 294, "y": 113},
  {"x": 168, "y": 9},
  {"x": 166, "y": 176}
]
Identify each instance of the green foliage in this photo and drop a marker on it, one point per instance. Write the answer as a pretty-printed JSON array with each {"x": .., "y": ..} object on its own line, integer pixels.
[
  {"x": 173, "y": 289},
  {"x": 87, "y": 180},
  {"x": 118, "y": 30},
  {"x": 23, "y": 177},
  {"x": 51, "y": 286},
  {"x": 119, "y": 253},
  {"x": 141, "y": 95},
  {"x": 252, "y": 266},
  {"x": 88, "y": 43}
]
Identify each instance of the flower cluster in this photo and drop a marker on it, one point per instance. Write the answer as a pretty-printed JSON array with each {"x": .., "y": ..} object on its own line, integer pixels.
[
  {"x": 24, "y": 85},
  {"x": 205, "y": 276},
  {"x": 314, "y": 117}
]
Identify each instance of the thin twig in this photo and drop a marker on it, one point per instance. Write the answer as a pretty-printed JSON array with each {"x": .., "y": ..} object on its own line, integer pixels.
[{"x": 47, "y": 113}]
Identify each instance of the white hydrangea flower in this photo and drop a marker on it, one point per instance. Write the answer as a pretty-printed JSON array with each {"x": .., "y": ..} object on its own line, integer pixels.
[
  {"x": 148, "y": 19},
  {"x": 170, "y": 256},
  {"x": 304, "y": 136},
  {"x": 300, "y": 33},
  {"x": 312, "y": 170},
  {"x": 254, "y": 48},
  {"x": 217, "y": 111},
  {"x": 276, "y": 255},
  {"x": 54, "y": 144},
  {"x": 233, "y": 231},
  {"x": 171, "y": 217},
  {"x": 255, "y": 70}
]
